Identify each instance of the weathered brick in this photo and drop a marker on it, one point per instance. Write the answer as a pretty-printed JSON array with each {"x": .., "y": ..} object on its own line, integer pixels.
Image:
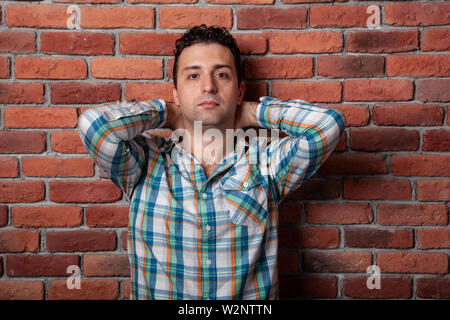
[
  {"x": 21, "y": 93},
  {"x": 338, "y": 16},
  {"x": 19, "y": 240},
  {"x": 350, "y": 66},
  {"x": 316, "y": 189},
  {"x": 336, "y": 261},
  {"x": 305, "y": 42},
  {"x": 268, "y": 18},
  {"x": 376, "y": 189},
  {"x": 88, "y": 43},
  {"x": 311, "y": 91},
  {"x": 47, "y": 216},
  {"x": 309, "y": 237},
  {"x": 50, "y": 68},
  {"x": 99, "y": 265},
  {"x": 433, "y": 288},
  {"x": 17, "y": 41},
  {"x": 412, "y": 214},
  {"x": 420, "y": 165},
  {"x": 90, "y": 290},
  {"x": 433, "y": 190},
  {"x": 84, "y": 191},
  {"x": 117, "y": 17},
  {"x": 57, "y": 167},
  {"x": 378, "y": 90},
  {"x": 413, "y": 262},
  {"x": 187, "y": 17},
  {"x": 434, "y": 238},
  {"x": 21, "y": 290},
  {"x": 407, "y": 115},
  {"x": 127, "y": 68},
  {"x": 382, "y": 41},
  {"x": 148, "y": 43},
  {"x": 378, "y": 238},
  {"x": 39, "y": 265},
  {"x": 390, "y": 288},
  {"x": 22, "y": 142},
  {"x": 67, "y": 142},
  {"x": 81, "y": 92},
  {"x": 21, "y": 191},
  {"x": 150, "y": 90},
  {"x": 435, "y": 39},
  {"x": 384, "y": 139},
  {"x": 39, "y": 117},
  {"x": 37, "y": 16},
  {"x": 433, "y": 90},
  {"x": 9, "y": 167},
  {"x": 426, "y": 65},
  {"x": 80, "y": 241},
  {"x": 355, "y": 116},
  {"x": 348, "y": 164},
  {"x": 339, "y": 213},
  {"x": 436, "y": 140},
  {"x": 107, "y": 216},
  {"x": 417, "y": 14},
  {"x": 271, "y": 68}
]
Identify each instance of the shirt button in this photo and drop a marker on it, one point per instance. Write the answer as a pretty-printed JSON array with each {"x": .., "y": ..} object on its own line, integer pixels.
[
  {"x": 208, "y": 227},
  {"x": 245, "y": 184},
  {"x": 208, "y": 262},
  {"x": 204, "y": 196}
]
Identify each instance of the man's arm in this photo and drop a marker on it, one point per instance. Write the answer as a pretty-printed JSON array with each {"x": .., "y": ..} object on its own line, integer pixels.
[
  {"x": 313, "y": 133},
  {"x": 111, "y": 135}
]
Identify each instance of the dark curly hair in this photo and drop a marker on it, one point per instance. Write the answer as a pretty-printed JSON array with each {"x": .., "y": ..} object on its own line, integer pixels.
[{"x": 205, "y": 34}]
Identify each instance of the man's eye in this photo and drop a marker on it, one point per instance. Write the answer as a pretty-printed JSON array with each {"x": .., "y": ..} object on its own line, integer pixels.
[
  {"x": 222, "y": 75},
  {"x": 193, "y": 76}
]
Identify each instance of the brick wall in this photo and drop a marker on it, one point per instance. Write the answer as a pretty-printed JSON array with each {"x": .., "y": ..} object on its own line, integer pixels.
[{"x": 381, "y": 199}]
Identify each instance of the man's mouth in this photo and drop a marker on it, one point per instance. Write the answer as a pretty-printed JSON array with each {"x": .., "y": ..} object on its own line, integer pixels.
[{"x": 208, "y": 104}]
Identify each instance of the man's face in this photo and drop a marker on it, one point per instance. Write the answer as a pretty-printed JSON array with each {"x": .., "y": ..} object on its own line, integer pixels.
[{"x": 208, "y": 88}]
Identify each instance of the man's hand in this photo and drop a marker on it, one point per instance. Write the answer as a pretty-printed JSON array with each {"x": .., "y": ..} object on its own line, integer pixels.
[
  {"x": 174, "y": 120},
  {"x": 246, "y": 115}
]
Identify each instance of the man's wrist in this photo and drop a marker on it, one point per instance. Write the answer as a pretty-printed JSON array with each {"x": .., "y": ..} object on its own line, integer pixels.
[{"x": 252, "y": 117}]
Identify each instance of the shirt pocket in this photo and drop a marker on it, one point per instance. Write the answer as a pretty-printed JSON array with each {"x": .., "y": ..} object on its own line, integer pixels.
[{"x": 245, "y": 198}]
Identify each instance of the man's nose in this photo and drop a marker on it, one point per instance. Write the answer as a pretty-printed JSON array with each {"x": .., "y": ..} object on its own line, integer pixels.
[{"x": 209, "y": 84}]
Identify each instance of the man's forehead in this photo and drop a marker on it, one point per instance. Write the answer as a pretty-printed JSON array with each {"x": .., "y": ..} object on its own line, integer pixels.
[{"x": 205, "y": 55}]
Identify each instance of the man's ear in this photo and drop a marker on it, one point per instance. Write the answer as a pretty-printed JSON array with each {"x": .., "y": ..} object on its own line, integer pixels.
[{"x": 175, "y": 96}]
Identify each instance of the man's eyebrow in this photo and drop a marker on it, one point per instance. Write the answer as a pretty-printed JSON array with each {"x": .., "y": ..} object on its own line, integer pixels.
[{"x": 217, "y": 66}]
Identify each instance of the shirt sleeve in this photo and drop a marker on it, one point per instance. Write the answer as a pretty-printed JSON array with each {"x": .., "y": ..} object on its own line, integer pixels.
[
  {"x": 111, "y": 135},
  {"x": 313, "y": 132}
]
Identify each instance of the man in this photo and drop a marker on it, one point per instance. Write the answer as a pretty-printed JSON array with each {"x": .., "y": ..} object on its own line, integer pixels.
[{"x": 207, "y": 229}]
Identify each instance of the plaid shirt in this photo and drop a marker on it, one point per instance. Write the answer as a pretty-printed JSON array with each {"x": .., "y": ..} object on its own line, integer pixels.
[{"x": 193, "y": 237}]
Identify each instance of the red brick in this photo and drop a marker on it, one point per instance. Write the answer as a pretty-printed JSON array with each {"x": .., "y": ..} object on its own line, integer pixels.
[
  {"x": 378, "y": 238},
  {"x": 288, "y": 261},
  {"x": 412, "y": 262},
  {"x": 272, "y": 68},
  {"x": 376, "y": 189},
  {"x": 407, "y": 115},
  {"x": 22, "y": 142},
  {"x": 382, "y": 41},
  {"x": 19, "y": 240},
  {"x": 433, "y": 288},
  {"x": 251, "y": 43},
  {"x": 412, "y": 214},
  {"x": 348, "y": 164},
  {"x": 37, "y": 16},
  {"x": 88, "y": 43},
  {"x": 338, "y": 16},
  {"x": 148, "y": 43},
  {"x": 254, "y": 2},
  {"x": 67, "y": 142},
  {"x": 448, "y": 115},
  {"x": 434, "y": 238},
  {"x": 117, "y": 17},
  {"x": 435, "y": 39},
  {"x": 316, "y": 189},
  {"x": 305, "y": 42},
  {"x": 289, "y": 212},
  {"x": 127, "y": 68},
  {"x": 99, "y": 265},
  {"x": 426, "y": 65},
  {"x": 21, "y": 290},
  {"x": 149, "y": 90},
  {"x": 9, "y": 167},
  {"x": 90, "y": 290},
  {"x": 17, "y": 42},
  {"x": 384, "y": 139},
  {"x": 436, "y": 140},
  {"x": 124, "y": 239},
  {"x": 309, "y": 237},
  {"x": 433, "y": 190},
  {"x": 293, "y": 286},
  {"x": 4, "y": 67},
  {"x": 39, "y": 265},
  {"x": 80, "y": 241},
  {"x": 417, "y": 14},
  {"x": 47, "y": 216},
  {"x": 433, "y": 90},
  {"x": 338, "y": 213},
  {"x": 50, "y": 68},
  {"x": 187, "y": 17},
  {"x": 420, "y": 165},
  {"x": 311, "y": 91},
  {"x": 40, "y": 117},
  {"x": 336, "y": 262},
  {"x": 107, "y": 216},
  {"x": 57, "y": 167},
  {"x": 84, "y": 191},
  {"x": 21, "y": 191},
  {"x": 378, "y": 90},
  {"x": 355, "y": 116},
  {"x": 350, "y": 66},
  {"x": 81, "y": 92},
  {"x": 390, "y": 288},
  {"x": 126, "y": 289},
  {"x": 21, "y": 93},
  {"x": 271, "y": 18},
  {"x": 3, "y": 216},
  {"x": 163, "y": 1},
  {"x": 90, "y": 1}
]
